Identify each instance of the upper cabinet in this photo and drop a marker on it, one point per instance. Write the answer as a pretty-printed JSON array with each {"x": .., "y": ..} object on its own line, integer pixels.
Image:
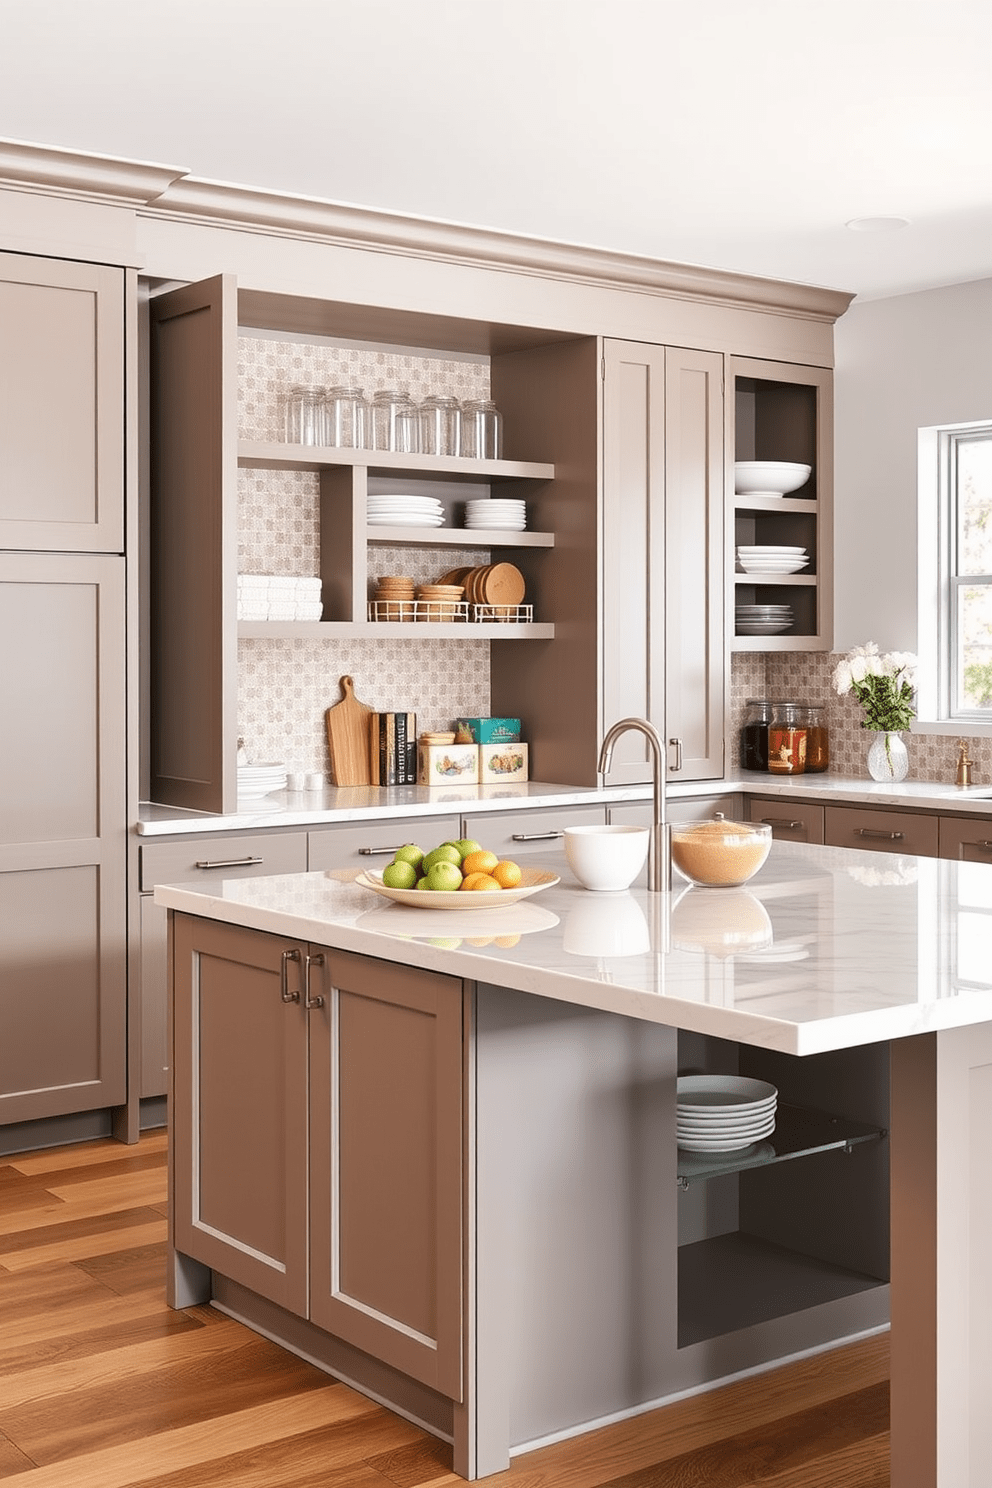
[
  {"x": 61, "y": 401},
  {"x": 779, "y": 413}
]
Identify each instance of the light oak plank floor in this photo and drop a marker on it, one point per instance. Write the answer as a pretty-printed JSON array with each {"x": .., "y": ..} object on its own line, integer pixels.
[{"x": 103, "y": 1386}]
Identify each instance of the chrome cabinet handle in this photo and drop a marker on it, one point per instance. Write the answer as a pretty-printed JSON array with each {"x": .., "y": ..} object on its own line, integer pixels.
[
  {"x": 781, "y": 821},
  {"x": 228, "y": 862},
  {"x": 536, "y": 836},
  {"x": 375, "y": 852},
  {"x": 318, "y": 1001},
  {"x": 874, "y": 832},
  {"x": 284, "y": 960},
  {"x": 678, "y": 755}
]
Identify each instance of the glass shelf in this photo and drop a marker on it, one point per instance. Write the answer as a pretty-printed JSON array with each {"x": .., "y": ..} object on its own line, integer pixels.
[{"x": 798, "y": 1133}]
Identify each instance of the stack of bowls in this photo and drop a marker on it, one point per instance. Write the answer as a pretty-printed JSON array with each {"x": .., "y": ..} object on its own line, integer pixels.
[
  {"x": 723, "y": 1113},
  {"x": 766, "y": 559},
  {"x": 497, "y": 515},
  {"x": 439, "y": 602},
  {"x": 401, "y": 510},
  {"x": 393, "y": 599},
  {"x": 763, "y": 619}
]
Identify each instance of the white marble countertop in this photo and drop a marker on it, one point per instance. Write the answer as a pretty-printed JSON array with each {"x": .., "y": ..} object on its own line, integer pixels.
[
  {"x": 826, "y": 948},
  {"x": 368, "y": 803}
]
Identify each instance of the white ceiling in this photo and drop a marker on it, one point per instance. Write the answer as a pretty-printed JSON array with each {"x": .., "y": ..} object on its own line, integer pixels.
[{"x": 739, "y": 134}]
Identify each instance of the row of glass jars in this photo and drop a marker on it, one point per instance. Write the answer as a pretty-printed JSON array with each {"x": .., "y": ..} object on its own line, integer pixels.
[
  {"x": 784, "y": 738},
  {"x": 343, "y": 417}
]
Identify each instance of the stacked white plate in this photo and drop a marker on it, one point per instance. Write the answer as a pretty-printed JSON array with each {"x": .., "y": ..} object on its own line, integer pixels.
[
  {"x": 255, "y": 781},
  {"x": 497, "y": 515},
  {"x": 766, "y": 559},
  {"x": 723, "y": 1113},
  {"x": 763, "y": 619},
  {"x": 402, "y": 510}
]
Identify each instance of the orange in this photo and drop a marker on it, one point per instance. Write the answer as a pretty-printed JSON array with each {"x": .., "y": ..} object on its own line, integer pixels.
[
  {"x": 480, "y": 882},
  {"x": 470, "y": 881},
  {"x": 479, "y": 862},
  {"x": 507, "y": 874},
  {"x": 507, "y": 942}
]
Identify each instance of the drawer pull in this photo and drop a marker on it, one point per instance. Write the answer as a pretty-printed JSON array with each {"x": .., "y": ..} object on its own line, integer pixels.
[
  {"x": 678, "y": 755},
  {"x": 228, "y": 862},
  {"x": 781, "y": 821},
  {"x": 284, "y": 960},
  {"x": 874, "y": 832},
  {"x": 536, "y": 836},
  {"x": 378, "y": 852},
  {"x": 318, "y": 1001}
]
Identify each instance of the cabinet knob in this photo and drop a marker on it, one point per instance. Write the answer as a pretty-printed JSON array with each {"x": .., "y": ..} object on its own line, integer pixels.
[{"x": 284, "y": 960}]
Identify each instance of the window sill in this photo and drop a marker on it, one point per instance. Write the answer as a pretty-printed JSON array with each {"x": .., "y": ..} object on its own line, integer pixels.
[{"x": 953, "y": 728}]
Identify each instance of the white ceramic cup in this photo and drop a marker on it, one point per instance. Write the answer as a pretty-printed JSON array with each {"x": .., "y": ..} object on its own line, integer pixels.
[
  {"x": 606, "y": 858},
  {"x": 315, "y": 781}
]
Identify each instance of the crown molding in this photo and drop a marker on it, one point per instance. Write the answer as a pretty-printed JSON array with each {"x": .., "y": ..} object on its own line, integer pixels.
[
  {"x": 53, "y": 171},
  {"x": 171, "y": 193}
]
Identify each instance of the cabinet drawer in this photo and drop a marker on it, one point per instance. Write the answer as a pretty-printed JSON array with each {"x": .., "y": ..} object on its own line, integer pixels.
[
  {"x": 969, "y": 840},
  {"x": 699, "y": 808},
  {"x": 216, "y": 857},
  {"x": 517, "y": 834},
  {"x": 881, "y": 831},
  {"x": 372, "y": 844},
  {"x": 790, "y": 821}
]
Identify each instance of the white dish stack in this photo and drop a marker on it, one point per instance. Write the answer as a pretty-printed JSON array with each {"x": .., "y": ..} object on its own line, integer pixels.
[
  {"x": 723, "y": 1113},
  {"x": 402, "y": 510},
  {"x": 764, "y": 559},
  {"x": 498, "y": 514},
  {"x": 763, "y": 619},
  {"x": 255, "y": 781},
  {"x": 278, "y": 597}
]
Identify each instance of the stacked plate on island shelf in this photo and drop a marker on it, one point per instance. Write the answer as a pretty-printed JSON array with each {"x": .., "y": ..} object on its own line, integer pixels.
[
  {"x": 255, "y": 781},
  {"x": 402, "y": 510},
  {"x": 763, "y": 619},
  {"x": 764, "y": 559},
  {"x": 498, "y": 514},
  {"x": 723, "y": 1113}
]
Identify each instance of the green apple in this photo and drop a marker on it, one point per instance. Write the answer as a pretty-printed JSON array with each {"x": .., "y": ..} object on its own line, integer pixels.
[
  {"x": 402, "y": 875},
  {"x": 422, "y": 883},
  {"x": 409, "y": 853},
  {"x": 444, "y": 877},
  {"x": 465, "y": 845},
  {"x": 446, "y": 853},
  {"x": 445, "y": 942}
]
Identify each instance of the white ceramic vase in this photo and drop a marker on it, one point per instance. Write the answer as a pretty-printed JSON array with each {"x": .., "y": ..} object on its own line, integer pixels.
[{"x": 888, "y": 757}]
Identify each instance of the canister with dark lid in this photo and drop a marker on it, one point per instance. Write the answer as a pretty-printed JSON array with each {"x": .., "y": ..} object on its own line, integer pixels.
[{"x": 754, "y": 734}]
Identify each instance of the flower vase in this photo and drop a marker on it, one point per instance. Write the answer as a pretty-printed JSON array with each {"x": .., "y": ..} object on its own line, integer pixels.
[{"x": 888, "y": 758}]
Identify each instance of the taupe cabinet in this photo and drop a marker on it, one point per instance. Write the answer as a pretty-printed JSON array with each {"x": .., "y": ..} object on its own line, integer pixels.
[
  {"x": 63, "y": 795},
  {"x": 317, "y": 1138}
]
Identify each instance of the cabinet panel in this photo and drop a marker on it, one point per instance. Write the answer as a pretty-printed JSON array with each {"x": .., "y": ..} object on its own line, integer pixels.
[
  {"x": 790, "y": 821},
  {"x": 518, "y": 834},
  {"x": 61, "y": 402},
  {"x": 880, "y": 831},
  {"x": 969, "y": 840},
  {"x": 372, "y": 844},
  {"x": 699, "y": 808},
  {"x": 239, "y": 1118}
]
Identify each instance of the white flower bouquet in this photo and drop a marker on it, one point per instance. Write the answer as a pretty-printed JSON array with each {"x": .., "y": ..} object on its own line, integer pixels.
[{"x": 885, "y": 686}]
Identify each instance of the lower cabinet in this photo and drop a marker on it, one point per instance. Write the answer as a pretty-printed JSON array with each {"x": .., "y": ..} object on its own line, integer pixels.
[
  {"x": 517, "y": 834},
  {"x": 372, "y": 844},
  {"x": 790, "y": 821},
  {"x": 881, "y": 831},
  {"x": 317, "y": 1134},
  {"x": 969, "y": 840}
]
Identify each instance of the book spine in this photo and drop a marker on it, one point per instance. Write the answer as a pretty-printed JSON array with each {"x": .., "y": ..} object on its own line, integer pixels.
[{"x": 401, "y": 749}]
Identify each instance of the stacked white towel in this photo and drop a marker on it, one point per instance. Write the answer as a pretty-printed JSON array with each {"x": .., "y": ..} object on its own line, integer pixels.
[{"x": 278, "y": 597}]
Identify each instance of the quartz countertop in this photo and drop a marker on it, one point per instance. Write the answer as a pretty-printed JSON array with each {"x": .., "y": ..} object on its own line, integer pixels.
[
  {"x": 336, "y": 805},
  {"x": 825, "y": 948}
]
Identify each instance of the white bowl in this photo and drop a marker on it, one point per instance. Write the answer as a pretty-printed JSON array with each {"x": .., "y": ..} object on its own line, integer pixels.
[
  {"x": 769, "y": 477},
  {"x": 606, "y": 858}
]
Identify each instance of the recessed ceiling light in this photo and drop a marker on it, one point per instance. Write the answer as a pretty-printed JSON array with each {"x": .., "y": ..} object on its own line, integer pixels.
[{"x": 877, "y": 224}]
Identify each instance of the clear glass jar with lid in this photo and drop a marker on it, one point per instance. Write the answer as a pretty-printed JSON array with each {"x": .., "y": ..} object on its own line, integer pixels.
[
  {"x": 440, "y": 426},
  {"x": 388, "y": 404},
  {"x": 817, "y": 738},
  {"x": 346, "y": 418},
  {"x": 787, "y": 739},
  {"x": 754, "y": 734}
]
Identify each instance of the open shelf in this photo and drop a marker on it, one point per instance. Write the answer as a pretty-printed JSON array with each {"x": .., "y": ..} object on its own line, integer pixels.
[
  {"x": 458, "y": 537},
  {"x": 272, "y": 455},
  {"x": 328, "y": 630},
  {"x": 798, "y": 1133}
]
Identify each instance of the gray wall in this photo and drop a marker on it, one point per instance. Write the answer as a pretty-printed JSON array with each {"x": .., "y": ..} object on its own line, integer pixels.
[{"x": 902, "y": 363}]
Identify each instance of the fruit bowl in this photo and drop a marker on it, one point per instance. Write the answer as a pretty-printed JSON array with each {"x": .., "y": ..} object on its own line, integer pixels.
[
  {"x": 769, "y": 477},
  {"x": 532, "y": 881}
]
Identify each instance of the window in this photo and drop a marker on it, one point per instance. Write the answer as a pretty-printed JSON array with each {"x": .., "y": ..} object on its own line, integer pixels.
[{"x": 955, "y": 596}]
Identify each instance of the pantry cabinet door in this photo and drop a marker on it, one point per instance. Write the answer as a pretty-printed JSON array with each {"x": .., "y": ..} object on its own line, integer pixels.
[
  {"x": 61, "y": 402},
  {"x": 386, "y": 1163}
]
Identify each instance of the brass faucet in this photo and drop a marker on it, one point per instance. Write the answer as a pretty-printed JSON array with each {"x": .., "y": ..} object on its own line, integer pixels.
[
  {"x": 963, "y": 776},
  {"x": 659, "y": 851}
]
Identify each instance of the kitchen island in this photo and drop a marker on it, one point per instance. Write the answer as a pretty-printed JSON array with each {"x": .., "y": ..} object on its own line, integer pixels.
[{"x": 551, "y": 1260}]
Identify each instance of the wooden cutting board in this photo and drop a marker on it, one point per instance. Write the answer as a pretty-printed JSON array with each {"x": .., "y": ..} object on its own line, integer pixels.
[{"x": 348, "y": 730}]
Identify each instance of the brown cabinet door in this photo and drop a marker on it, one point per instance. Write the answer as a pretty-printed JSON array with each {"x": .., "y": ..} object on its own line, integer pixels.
[
  {"x": 967, "y": 840},
  {"x": 881, "y": 831},
  {"x": 63, "y": 830},
  {"x": 61, "y": 402},
  {"x": 239, "y": 1118},
  {"x": 790, "y": 821},
  {"x": 386, "y": 1164}
]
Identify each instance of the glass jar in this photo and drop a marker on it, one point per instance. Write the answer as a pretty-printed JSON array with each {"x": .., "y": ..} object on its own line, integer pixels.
[
  {"x": 754, "y": 734},
  {"x": 787, "y": 740},
  {"x": 482, "y": 430},
  {"x": 387, "y": 405},
  {"x": 296, "y": 401},
  {"x": 346, "y": 415},
  {"x": 817, "y": 739},
  {"x": 440, "y": 426}
]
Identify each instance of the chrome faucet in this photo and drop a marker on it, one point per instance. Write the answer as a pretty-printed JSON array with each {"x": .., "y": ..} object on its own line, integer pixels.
[{"x": 659, "y": 850}]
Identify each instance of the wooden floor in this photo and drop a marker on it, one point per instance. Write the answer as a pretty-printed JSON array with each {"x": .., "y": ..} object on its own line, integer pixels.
[{"x": 102, "y": 1386}]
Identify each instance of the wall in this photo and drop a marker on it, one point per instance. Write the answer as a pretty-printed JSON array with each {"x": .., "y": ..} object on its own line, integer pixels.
[{"x": 901, "y": 364}]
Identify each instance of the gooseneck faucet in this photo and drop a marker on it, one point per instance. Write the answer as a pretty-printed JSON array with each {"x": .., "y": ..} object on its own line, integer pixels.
[{"x": 659, "y": 851}]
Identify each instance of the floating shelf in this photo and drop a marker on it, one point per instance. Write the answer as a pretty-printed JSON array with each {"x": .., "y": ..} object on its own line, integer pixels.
[
  {"x": 273, "y": 455},
  {"x": 367, "y": 630},
  {"x": 458, "y": 537},
  {"x": 798, "y": 1133}
]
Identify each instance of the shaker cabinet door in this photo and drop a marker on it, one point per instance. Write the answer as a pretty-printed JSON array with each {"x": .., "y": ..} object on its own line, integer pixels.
[{"x": 61, "y": 402}]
